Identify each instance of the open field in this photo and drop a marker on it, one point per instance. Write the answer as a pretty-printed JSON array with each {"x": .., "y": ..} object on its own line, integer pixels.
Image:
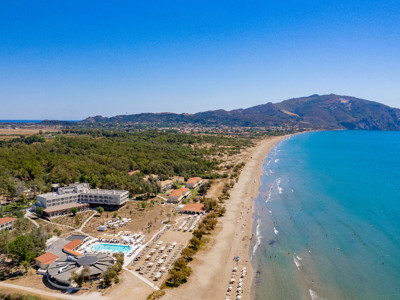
[
  {"x": 146, "y": 221},
  {"x": 8, "y": 133}
]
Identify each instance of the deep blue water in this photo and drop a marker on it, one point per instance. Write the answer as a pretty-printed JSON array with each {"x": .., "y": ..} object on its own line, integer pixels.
[
  {"x": 328, "y": 217},
  {"x": 30, "y": 121},
  {"x": 20, "y": 121}
]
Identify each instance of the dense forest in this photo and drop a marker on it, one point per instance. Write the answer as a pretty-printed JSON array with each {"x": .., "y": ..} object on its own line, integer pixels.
[{"x": 103, "y": 158}]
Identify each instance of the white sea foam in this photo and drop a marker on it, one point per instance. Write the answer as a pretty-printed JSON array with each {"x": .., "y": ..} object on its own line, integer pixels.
[
  {"x": 258, "y": 236},
  {"x": 275, "y": 231},
  {"x": 314, "y": 295},
  {"x": 292, "y": 190},
  {"x": 277, "y": 160},
  {"x": 278, "y": 184},
  {"x": 297, "y": 262},
  {"x": 270, "y": 212},
  {"x": 269, "y": 194},
  {"x": 298, "y": 257},
  {"x": 271, "y": 172}
]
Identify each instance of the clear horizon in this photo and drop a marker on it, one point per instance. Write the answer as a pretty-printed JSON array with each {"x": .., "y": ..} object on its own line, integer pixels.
[{"x": 67, "y": 61}]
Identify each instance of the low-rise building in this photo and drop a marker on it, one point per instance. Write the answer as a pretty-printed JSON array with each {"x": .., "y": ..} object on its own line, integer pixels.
[
  {"x": 194, "y": 182},
  {"x": 166, "y": 185},
  {"x": 64, "y": 209},
  {"x": 6, "y": 223},
  {"x": 69, "y": 248},
  {"x": 43, "y": 261},
  {"x": 193, "y": 208},
  {"x": 81, "y": 193},
  {"x": 59, "y": 272},
  {"x": 177, "y": 195}
]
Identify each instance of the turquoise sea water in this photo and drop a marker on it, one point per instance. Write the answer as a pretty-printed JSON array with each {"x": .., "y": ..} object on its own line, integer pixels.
[
  {"x": 110, "y": 248},
  {"x": 328, "y": 218}
]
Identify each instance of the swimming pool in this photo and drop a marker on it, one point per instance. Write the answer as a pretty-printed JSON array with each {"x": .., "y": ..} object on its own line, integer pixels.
[{"x": 110, "y": 248}]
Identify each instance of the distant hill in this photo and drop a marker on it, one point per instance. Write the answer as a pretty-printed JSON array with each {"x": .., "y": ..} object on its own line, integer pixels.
[{"x": 316, "y": 112}]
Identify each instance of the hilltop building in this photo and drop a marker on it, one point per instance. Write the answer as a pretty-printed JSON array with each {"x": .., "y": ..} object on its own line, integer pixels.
[
  {"x": 79, "y": 195},
  {"x": 194, "y": 182}
]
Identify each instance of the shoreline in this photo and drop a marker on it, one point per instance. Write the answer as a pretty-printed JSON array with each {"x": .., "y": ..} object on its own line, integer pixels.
[{"x": 212, "y": 268}]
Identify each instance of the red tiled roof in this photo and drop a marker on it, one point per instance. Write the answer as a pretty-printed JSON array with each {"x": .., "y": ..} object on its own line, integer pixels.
[
  {"x": 178, "y": 192},
  {"x": 193, "y": 179},
  {"x": 194, "y": 207},
  {"x": 47, "y": 258},
  {"x": 133, "y": 172},
  {"x": 69, "y": 248},
  {"x": 6, "y": 220}
]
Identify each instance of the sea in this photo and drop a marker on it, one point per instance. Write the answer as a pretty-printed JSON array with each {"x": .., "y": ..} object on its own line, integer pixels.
[
  {"x": 30, "y": 121},
  {"x": 20, "y": 121},
  {"x": 327, "y": 218}
]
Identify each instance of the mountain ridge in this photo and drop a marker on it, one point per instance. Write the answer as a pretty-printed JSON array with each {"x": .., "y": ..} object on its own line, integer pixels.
[{"x": 315, "y": 112}]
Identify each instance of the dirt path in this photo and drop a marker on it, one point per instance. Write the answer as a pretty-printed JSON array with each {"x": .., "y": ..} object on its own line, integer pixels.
[
  {"x": 28, "y": 216},
  {"x": 87, "y": 220},
  {"x": 50, "y": 295}
]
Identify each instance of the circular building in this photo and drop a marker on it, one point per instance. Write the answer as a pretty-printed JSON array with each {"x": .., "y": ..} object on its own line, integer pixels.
[{"x": 60, "y": 271}]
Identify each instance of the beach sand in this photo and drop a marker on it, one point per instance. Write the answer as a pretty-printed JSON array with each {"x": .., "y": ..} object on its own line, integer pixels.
[{"x": 212, "y": 268}]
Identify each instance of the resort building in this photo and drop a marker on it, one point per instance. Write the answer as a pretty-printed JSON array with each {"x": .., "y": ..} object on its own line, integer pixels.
[
  {"x": 43, "y": 261},
  {"x": 177, "y": 195},
  {"x": 61, "y": 259},
  {"x": 193, "y": 208},
  {"x": 194, "y": 182},
  {"x": 69, "y": 248},
  {"x": 6, "y": 223},
  {"x": 64, "y": 209},
  {"x": 81, "y": 193},
  {"x": 60, "y": 271}
]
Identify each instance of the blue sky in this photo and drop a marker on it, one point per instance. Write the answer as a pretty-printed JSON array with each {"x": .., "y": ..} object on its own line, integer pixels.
[{"x": 73, "y": 59}]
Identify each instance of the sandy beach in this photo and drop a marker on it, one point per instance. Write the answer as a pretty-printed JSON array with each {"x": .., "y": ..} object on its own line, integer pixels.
[{"x": 212, "y": 268}]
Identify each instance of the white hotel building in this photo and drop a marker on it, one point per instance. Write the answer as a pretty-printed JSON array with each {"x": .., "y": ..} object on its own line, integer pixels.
[{"x": 79, "y": 193}]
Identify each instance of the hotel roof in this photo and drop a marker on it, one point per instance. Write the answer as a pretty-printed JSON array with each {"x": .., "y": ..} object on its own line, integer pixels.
[
  {"x": 64, "y": 207},
  {"x": 193, "y": 179},
  {"x": 6, "y": 220},
  {"x": 47, "y": 258},
  {"x": 178, "y": 192},
  {"x": 194, "y": 207},
  {"x": 69, "y": 248}
]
